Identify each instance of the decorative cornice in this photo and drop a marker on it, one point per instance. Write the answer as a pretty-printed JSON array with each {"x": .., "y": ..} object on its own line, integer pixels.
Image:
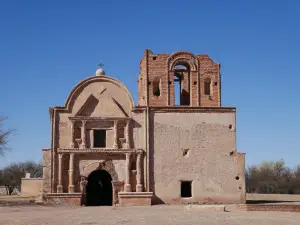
[
  {"x": 99, "y": 150},
  {"x": 186, "y": 109},
  {"x": 98, "y": 118}
]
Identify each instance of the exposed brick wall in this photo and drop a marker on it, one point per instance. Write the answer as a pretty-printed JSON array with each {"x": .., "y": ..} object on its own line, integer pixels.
[{"x": 161, "y": 68}]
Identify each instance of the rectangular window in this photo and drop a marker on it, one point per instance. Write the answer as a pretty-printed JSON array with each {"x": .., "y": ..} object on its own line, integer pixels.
[
  {"x": 99, "y": 138},
  {"x": 186, "y": 189}
]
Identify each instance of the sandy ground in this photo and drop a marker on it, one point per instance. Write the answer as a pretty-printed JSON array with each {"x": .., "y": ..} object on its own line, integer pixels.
[{"x": 42, "y": 215}]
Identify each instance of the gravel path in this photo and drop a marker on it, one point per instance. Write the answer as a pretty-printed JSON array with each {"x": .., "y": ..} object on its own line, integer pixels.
[{"x": 155, "y": 215}]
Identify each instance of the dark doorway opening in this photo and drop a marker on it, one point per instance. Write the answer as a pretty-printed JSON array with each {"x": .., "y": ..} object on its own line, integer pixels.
[
  {"x": 99, "y": 138},
  {"x": 99, "y": 189},
  {"x": 186, "y": 189}
]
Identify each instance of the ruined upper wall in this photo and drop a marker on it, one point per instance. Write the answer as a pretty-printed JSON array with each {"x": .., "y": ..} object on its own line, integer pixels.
[{"x": 199, "y": 78}]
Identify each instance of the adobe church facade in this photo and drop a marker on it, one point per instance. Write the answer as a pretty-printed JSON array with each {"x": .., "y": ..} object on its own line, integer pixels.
[{"x": 176, "y": 146}]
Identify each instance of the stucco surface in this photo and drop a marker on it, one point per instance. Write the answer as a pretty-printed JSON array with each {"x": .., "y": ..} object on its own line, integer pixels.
[
  {"x": 101, "y": 98},
  {"x": 46, "y": 170},
  {"x": 209, "y": 163},
  {"x": 31, "y": 186}
]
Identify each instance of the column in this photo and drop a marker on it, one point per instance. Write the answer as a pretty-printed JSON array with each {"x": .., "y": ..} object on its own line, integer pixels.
[
  {"x": 71, "y": 173},
  {"x": 127, "y": 187},
  {"x": 127, "y": 134},
  {"x": 59, "y": 186},
  {"x": 72, "y": 134},
  {"x": 139, "y": 185},
  {"x": 114, "y": 192},
  {"x": 83, "y": 139},
  {"x": 116, "y": 134}
]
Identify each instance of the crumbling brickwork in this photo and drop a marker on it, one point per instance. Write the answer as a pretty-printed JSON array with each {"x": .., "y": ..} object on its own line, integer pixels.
[{"x": 194, "y": 73}]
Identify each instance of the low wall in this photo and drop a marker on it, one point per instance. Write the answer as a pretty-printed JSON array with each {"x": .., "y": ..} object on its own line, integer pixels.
[
  {"x": 31, "y": 186},
  {"x": 4, "y": 192},
  {"x": 272, "y": 197}
]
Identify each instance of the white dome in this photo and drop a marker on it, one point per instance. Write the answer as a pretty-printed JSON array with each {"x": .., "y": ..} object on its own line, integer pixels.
[{"x": 100, "y": 72}]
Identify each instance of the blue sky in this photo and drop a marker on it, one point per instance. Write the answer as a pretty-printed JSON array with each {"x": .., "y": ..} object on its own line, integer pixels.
[{"x": 47, "y": 47}]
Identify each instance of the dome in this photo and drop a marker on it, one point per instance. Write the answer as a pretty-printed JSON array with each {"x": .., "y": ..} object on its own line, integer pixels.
[{"x": 100, "y": 72}]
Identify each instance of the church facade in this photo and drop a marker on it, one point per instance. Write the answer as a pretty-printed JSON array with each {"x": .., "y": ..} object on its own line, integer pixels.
[{"x": 176, "y": 146}]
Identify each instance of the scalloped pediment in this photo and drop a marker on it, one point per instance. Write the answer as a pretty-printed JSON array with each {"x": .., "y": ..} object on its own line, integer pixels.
[{"x": 101, "y": 105}]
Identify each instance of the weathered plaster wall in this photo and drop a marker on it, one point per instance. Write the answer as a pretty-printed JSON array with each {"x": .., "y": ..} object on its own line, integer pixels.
[
  {"x": 98, "y": 99},
  {"x": 211, "y": 161},
  {"x": 98, "y": 96},
  {"x": 47, "y": 170},
  {"x": 31, "y": 186},
  {"x": 138, "y": 130}
]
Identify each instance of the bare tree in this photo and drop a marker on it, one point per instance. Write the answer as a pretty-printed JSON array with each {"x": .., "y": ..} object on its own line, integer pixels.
[
  {"x": 11, "y": 175},
  {"x": 4, "y": 133},
  {"x": 273, "y": 177}
]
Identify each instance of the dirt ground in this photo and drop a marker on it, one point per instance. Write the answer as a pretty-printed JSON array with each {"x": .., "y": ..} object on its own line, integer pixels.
[{"x": 163, "y": 214}]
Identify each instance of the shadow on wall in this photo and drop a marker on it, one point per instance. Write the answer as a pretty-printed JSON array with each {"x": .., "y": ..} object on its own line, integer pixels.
[
  {"x": 155, "y": 200},
  {"x": 135, "y": 124}
]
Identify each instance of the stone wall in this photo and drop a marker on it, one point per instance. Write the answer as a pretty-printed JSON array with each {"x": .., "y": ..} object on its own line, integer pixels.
[{"x": 197, "y": 147}]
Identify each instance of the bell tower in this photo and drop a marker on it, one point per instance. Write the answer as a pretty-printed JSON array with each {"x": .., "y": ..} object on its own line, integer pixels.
[{"x": 179, "y": 79}]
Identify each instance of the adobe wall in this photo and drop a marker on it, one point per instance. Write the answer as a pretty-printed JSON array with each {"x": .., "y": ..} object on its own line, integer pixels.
[
  {"x": 211, "y": 162},
  {"x": 31, "y": 186}
]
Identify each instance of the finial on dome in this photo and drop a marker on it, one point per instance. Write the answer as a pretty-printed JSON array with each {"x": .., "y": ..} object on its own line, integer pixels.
[{"x": 100, "y": 71}]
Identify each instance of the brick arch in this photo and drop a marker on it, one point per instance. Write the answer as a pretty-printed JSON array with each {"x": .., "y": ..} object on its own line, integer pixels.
[
  {"x": 184, "y": 58},
  {"x": 100, "y": 165}
]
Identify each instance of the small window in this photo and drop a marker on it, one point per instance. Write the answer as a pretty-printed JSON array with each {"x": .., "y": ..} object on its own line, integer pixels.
[
  {"x": 133, "y": 165},
  {"x": 186, "y": 189},
  {"x": 207, "y": 84},
  {"x": 99, "y": 138}
]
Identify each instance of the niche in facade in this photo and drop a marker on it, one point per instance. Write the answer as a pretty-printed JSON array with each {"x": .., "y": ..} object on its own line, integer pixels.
[{"x": 156, "y": 87}]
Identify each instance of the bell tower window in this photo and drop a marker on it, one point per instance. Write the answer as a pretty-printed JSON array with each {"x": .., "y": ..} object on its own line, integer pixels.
[{"x": 181, "y": 84}]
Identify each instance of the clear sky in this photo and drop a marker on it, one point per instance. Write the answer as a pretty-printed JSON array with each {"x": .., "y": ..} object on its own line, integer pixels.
[{"x": 47, "y": 47}]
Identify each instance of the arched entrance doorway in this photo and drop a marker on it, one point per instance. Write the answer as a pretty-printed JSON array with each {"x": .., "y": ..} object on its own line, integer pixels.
[{"x": 99, "y": 188}]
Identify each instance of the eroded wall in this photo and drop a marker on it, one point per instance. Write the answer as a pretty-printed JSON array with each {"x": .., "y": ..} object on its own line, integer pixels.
[
  {"x": 211, "y": 161},
  {"x": 46, "y": 170},
  {"x": 158, "y": 67}
]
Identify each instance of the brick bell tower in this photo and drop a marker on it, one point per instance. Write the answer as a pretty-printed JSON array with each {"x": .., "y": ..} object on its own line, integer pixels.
[{"x": 179, "y": 79}]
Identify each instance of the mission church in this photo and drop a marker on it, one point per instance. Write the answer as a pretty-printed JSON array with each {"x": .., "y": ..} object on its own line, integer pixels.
[{"x": 176, "y": 146}]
